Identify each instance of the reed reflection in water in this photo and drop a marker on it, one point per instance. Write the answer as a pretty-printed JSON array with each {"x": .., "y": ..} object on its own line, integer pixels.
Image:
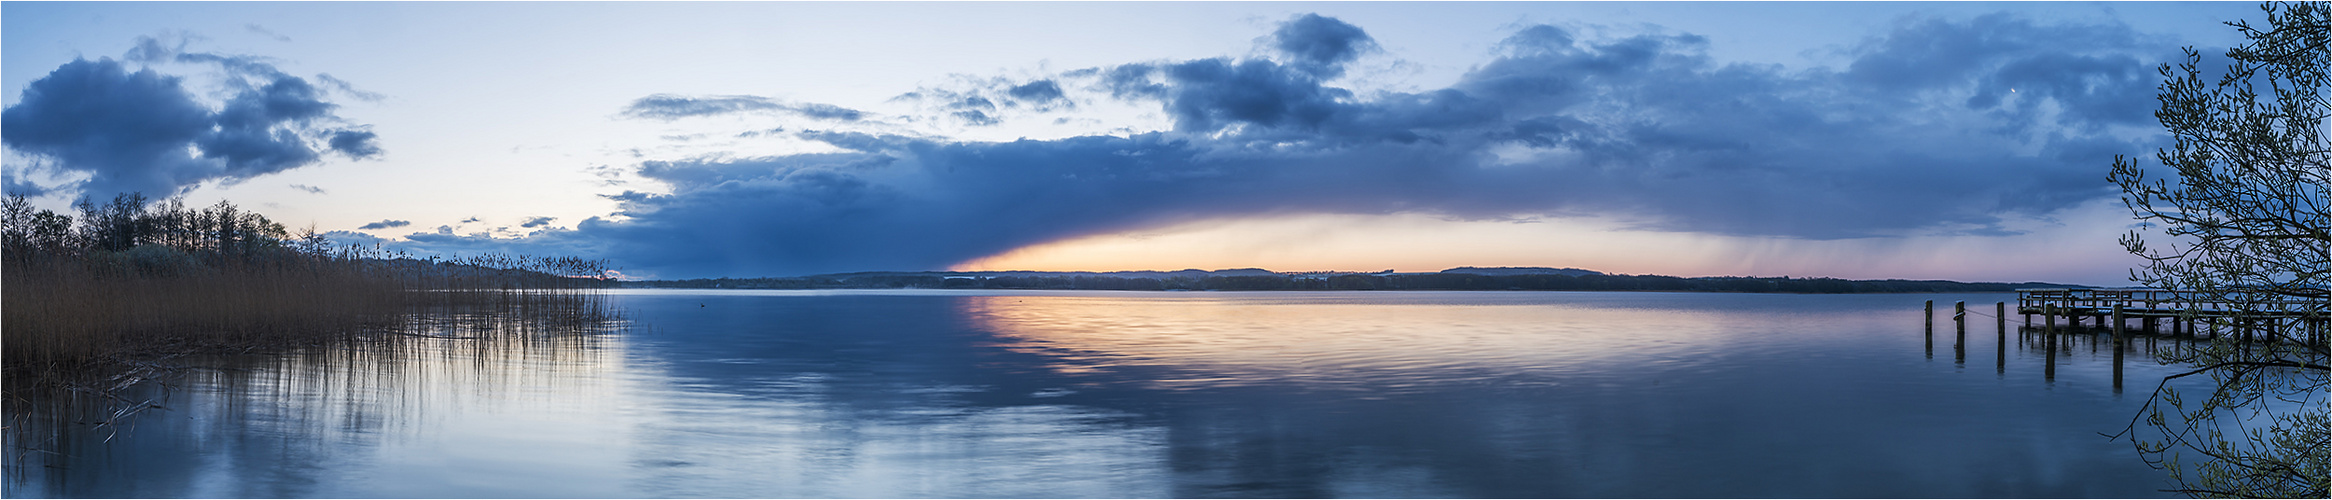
[
  {"x": 365, "y": 418},
  {"x": 1152, "y": 394}
]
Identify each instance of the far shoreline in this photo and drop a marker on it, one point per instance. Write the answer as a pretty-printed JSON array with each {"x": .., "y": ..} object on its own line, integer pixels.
[{"x": 1248, "y": 280}]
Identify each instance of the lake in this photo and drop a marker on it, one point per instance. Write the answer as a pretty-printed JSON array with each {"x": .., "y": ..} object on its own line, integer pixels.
[{"x": 920, "y": 393}]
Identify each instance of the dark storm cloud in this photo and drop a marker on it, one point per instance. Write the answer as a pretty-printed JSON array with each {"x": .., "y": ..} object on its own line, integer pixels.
[
  {"x": 142, "y": 131},
  {"x": 1645, "y": 129},
  {"x": 673, "y": 106},
  {"x": 385, "y": 224}
]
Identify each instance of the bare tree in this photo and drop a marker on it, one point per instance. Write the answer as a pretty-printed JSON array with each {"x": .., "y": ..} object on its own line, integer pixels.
[{"x": 2245, "y": 218}]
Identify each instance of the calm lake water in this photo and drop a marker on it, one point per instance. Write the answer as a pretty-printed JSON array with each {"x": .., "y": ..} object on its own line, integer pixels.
[{"x": 1150, "y": 394}]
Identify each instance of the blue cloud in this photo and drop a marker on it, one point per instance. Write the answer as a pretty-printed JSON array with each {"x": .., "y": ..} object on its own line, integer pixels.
[
  {"x": 1038, "y": 92},
  {"x": 351, "y": 238},
  {"x": 674, "y": 106},
  {"x": 129, "y": 131},
  {"x": 385, "y": 224},
  {"x": 355, "y": 143},
  {"x": 143, "y": 132},
  {"x": 1321, "y": 45},
  {"x": 533, "y": 222},
  {"x": 670, "y": 106},
  {"x": 826, "y": 111},
  {"x": 1646, "y": 127}
]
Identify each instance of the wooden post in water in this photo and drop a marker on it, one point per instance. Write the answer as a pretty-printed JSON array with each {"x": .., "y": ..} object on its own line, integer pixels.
[
  {"x": 2049, "y": 371},
  {"x": 2027, "y": 321},
  {"x": 1959, "y": 321},
  {"x": 2117, "y": 348},
  {"x": 2000, "y": 315},
  {"x": 1930, "y": 329},
  {"x": 2000, "y": 353},
  {"x": 2049, "y": 312}
]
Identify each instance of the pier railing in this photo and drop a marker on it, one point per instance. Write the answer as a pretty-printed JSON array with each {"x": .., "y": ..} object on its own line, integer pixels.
[{"x": 2156, "y": 303}]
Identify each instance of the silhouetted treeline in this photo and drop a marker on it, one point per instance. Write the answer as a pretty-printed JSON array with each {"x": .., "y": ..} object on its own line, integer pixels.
[{"x": 1355, "y": 281}]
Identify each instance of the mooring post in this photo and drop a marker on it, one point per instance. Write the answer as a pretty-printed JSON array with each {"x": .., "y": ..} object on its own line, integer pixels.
[
  {"x": 2049, "y": 313},
  {"x": 2023, "y": 301},
  {"x": 2000, "y": 351},
  {"x": 1930, "y": 329},
  {"x": 2117, "y": 348},
  {"x": 2049, "y": 371},
  {"x": 1959, "y": 322},
  {"x": 2000, "y": 315},
  {"x": 1959, "y": 318},
  {"x": 2117, "y": 324}
]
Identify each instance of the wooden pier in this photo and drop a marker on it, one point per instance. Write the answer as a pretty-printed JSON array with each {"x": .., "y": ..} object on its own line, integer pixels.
[
  {"x": 2190, "y": 315},
  {"x": 2185, "y": 310}
]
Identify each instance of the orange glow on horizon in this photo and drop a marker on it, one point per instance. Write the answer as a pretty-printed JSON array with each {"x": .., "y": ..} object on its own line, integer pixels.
[{"x": 2077, "y": 247}]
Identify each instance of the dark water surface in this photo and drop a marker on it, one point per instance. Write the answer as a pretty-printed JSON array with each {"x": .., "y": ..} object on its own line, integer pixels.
[{"x": 1151, "y": 394}]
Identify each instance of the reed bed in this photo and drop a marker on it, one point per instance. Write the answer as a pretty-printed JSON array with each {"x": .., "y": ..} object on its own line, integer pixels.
[
  {"x": 104, "y": 300},
  {"x": 94, "y": 309}
]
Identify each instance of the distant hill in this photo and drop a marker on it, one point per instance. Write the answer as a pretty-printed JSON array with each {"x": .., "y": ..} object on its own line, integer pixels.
[
  {"x": 1517, "y": 271},
  {"x": 1461, "y": 278}
]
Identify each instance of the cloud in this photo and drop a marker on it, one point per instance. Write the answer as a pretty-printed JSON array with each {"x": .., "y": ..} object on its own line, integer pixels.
[
  {"x": 263, "y": 31},
  {"x": 981, "y": 102},
  {"x": 385, "y": 224},
  {"x": 670, "y": 106},
  {"x": 1641, "y": 128},
  {"x": 545, "y": 243},
  {"x": 532, "y": 222},
  {"x": 308, "y": 188},
  {"x": 356, "y": 144},
  {"x": 352, "y": 238},
  {"x": 1321, "y": 45},
  {"x": 143, "y": 132},
  {"x": 14, "y": 185},
  {"x": 348, "y": 89},
  {"x": 674, "y": 106},
  {"x": 826, "y": 111},
  {"x": 1037, "y": 92}
]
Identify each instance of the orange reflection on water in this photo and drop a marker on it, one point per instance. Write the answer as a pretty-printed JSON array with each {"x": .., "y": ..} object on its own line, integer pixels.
[{"x": 1370, "y": 341}]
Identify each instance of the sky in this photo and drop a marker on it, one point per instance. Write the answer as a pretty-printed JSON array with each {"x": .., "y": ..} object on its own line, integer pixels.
[{"x": 1958, "y": 140}]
